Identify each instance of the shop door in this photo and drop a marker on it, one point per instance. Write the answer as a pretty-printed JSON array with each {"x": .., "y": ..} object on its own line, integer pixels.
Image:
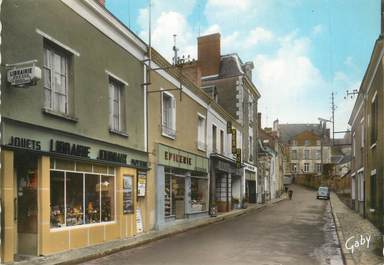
[
  {"x": 26, "y": 204},
  {"x": 178, "y": 190},
  {"x": 252, "y": 191}
]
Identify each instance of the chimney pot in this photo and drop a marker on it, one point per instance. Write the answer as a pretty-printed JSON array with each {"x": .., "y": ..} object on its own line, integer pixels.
[{"x": 101, "y": 2}]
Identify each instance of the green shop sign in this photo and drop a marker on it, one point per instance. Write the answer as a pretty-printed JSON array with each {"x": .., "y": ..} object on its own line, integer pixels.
[{"x": 172, "y": 157}]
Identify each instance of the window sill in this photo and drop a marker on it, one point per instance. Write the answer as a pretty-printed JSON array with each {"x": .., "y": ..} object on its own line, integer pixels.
[
  {"x": 121, "y": 133},
  {"x": 173, "y": 137},
  {"x": 60, "y": 115},
  {"x": 66, "y": 228},
  {"x": 373, "y": 146}
]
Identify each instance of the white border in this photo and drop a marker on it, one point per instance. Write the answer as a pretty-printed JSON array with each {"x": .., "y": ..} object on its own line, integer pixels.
[{"x": 117, "y": 78}]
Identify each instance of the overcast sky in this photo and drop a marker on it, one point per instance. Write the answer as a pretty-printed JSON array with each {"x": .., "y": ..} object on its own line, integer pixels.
[{"x": 302, "y": 49}]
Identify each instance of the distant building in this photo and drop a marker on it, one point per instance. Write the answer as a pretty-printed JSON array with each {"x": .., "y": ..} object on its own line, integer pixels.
[{"x": 308, "y": 146}]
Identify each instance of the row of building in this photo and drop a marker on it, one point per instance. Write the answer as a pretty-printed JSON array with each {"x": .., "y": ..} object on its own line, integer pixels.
[
  {"x": 102, "y": 138},
  {"x": 366, "y": 121}
]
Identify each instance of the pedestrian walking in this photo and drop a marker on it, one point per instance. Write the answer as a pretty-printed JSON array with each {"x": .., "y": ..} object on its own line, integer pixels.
[{"x": 290, "y": 193}]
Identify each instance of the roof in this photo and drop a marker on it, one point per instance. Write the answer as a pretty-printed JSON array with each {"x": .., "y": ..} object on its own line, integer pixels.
[
  {"x": 230, "y": 65},
  {"x": 288, "y": 131}
]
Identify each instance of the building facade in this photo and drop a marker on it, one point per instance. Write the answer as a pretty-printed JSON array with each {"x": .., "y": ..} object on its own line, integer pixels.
[
  {"x": 73, "y": 142},
  {"x": 367, "y": 139},
  {"x": 308, "y": 146}
]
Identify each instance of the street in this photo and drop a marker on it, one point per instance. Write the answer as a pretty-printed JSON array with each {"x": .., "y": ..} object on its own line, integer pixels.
[{"x": 300, "y": 231}]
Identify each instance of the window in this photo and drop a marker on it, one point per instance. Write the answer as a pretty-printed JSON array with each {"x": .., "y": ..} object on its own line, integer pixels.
[
  {"x": 361, "y": 186},
  {"x": 374, "y": 119},
  {"x": 362, "y": 135},
  {"x": 306, "y": 154},
  {"x": 221, "y": 142},
  {"x": 250, "y": 148},
  {"x": 353, "y": 188},
  {"x": 306, "y": 167},
  {"x": 318, "y": 168},
  {"x": 306, "y": 142},
  {"x": 199, "y": 194},
  {"x": 294, "y": 167},
  {"x": 201, "y": 132},
  {"x": 214, "y": 138},
  {"x": 116, "y": 105},
  {"x": 294, "y": 142},
  {"x": 294, "y": 154},
  {"x": 373, "y": 191},
  {"x": 81, "y": 197},
  {"x": 55, "y": 79},
  {"x": 168, "y": 115},
  {"x": 250, "y": 112},
  {"x": 354, "y": 145},
  {"x": 318, "y": 142},
  {"x": 318, "y": 154}
]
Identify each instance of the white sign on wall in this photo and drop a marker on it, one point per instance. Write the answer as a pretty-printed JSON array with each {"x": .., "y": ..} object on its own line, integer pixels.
[{"x": 24, "y": 75}]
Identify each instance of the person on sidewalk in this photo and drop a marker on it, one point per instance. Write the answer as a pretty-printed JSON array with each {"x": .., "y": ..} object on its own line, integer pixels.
[{"x": 290, "y": 193}]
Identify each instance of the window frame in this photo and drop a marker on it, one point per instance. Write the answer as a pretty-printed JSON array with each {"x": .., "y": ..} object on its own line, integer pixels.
[
  {"x": 117, "y": 84},
  {"x": 83, "y": 173},
  {"x": 201, "y": 132},
  {"x": 165, "y": 130},
  {"x": 306, "y": 164},
  {"x": 374, "y": 119},
  {"x": 54, "y": 50}
]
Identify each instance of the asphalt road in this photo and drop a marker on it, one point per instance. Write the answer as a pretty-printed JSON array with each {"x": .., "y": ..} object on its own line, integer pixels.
[{"x": 300, "y": 231}]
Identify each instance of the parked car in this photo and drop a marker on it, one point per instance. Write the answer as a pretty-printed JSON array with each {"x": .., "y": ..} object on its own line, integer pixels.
[{"x": 323, "y": 192}]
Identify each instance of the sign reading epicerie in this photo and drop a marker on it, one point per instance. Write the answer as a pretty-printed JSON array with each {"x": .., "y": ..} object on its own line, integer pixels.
[{"x": 176, "y": 158}]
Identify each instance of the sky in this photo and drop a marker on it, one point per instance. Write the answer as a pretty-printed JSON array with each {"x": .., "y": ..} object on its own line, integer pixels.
[{"x": 303, "y": 50}]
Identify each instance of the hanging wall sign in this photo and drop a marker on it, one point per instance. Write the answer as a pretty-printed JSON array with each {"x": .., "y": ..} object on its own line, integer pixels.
[
  {"x": 234, "y": 141},
  {"x": 127, "y": 195},
  {"x": 24, "y": 76}
]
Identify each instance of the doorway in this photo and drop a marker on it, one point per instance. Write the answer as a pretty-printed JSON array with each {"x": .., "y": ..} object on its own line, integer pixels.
[{"x": 25, "y": 203}]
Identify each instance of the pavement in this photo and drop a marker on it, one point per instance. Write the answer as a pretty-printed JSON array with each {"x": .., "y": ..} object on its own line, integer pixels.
[
  {"x": 351, "y": 227},
  {"x": 96, "y": 251},
  {"x": 300, "y": 231}
]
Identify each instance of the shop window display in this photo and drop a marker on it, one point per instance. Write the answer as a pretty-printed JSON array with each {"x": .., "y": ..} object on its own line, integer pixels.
[
  {"x": 199, "y": 192},
  {"x": 81, "y": 197},
  {"x": 92, "y": 199},
  {"x": 74, "y": 195}
]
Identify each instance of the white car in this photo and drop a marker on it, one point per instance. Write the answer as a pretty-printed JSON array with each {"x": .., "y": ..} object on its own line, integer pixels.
[{"x": 323, "y": 192}]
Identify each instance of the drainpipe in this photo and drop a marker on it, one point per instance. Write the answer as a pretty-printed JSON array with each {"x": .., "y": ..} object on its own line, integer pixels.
[{"x": 1, "y": 177}]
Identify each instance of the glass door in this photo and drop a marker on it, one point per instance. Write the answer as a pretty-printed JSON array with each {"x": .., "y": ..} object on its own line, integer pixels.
[{"x": 26, "y": 204}]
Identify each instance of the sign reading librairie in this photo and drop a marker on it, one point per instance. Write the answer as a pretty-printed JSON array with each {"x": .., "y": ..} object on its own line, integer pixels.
[{"x": 24, "y": 76}]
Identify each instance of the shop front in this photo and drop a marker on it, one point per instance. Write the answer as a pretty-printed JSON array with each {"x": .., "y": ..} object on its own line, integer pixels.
[
  {"x": 181, "y": 185},
  {"x": 60, "y": 192},
  {"x": 227, "y": 183},
  {"x": 250, "y": 173}
]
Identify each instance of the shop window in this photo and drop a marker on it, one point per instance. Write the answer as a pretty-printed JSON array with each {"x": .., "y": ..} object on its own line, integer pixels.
[
  {"x": 92, "y": 199},
  {"x": 167, "y": 196},
  {"x": 74, "y": 195},
  {"x": 57, "y": 199},
  {"x": 174, "y": 195},
  {"x": 116, "y": 105},
  {"x": 107, "y": 188},
  {"x": 199, "y": 191},
  {"x": 80, "y": 197},
  {"x": 55, "y": 78}
]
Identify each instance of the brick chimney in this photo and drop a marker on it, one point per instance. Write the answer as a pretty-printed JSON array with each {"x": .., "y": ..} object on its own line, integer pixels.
[
  {"x": 101, "y": 2},
  {"x": 208, "y": 54}
]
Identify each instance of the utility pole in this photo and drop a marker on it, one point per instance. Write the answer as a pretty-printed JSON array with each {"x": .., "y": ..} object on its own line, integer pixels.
[{"x": 333, "y": 108}]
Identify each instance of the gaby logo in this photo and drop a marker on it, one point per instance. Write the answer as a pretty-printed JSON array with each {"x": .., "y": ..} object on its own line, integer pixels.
[{"x": 353, "y": 243}]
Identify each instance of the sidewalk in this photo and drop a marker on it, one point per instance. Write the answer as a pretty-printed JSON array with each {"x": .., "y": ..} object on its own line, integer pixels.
[
  {"x": 350, "y": 224},
  {"x": 91, "y": 252}
]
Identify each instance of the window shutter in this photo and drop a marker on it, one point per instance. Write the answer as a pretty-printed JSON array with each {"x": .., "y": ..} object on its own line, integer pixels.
[
  {"x": 111, "y": 90},
  {"x": 173, "y": 113}
]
